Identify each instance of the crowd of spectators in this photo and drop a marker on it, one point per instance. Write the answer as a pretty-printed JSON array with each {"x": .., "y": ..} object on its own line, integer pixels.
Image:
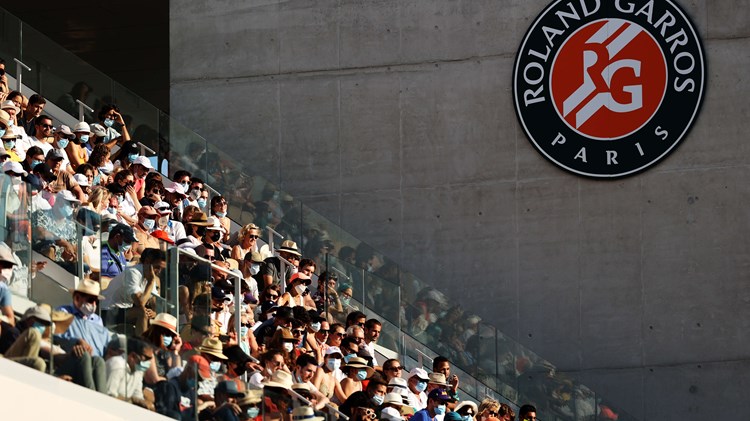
[{"x": 302, "y": 348}]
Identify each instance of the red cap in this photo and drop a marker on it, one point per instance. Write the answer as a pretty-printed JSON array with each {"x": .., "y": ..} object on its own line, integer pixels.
[
  {"x": 201, "y": 362},
  {"x": 162, "y": 235}
]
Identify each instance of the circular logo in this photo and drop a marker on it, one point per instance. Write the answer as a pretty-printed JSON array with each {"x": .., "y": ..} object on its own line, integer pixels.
[{"x": 608, "y": 90}]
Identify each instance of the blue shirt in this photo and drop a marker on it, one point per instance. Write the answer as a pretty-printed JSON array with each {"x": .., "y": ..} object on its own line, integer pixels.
[
  {"x": 94, "y": 318},
  {"x": 112, "y": 262},
  {"x": 421, "y": 415},
  {"x": 5, "y": 295},
  {"x": 89, "y": 330}
]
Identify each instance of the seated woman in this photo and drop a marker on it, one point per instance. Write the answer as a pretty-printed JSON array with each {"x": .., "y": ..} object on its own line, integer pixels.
[
  {"x": 162, "y": 334},
  {"x": 356, "y": 371},
  {"x": 219, "y": 209}
]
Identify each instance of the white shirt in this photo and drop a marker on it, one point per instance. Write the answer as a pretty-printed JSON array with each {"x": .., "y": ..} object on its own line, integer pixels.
[
  {"x": 122, "y": 287},
  {"x": 371, "y": 349},
  {"x": 417, "y": 401},
  {"x": 121, "y": 381},
  {"x": 46, "y": 147}
]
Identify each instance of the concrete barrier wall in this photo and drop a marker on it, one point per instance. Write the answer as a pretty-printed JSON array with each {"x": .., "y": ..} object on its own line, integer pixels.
[{"x": 395, "y": 119}]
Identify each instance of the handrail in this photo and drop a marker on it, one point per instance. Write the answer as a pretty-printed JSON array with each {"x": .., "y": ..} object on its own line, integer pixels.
[{"x": 19, "y": 73}]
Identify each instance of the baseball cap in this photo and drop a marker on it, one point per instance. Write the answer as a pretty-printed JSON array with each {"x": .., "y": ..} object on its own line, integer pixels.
[
  {"x": 64, "y": 130},
  {"x": 15, "y": 167},
  {"x": 98, "y": 130},
  {"x": 439, "y": 394},
  {"x": 82, "y": 126},
  {"x": 419, "y": 373},
  {"x": 54, "y": 154},
  {"x": 127, "y": 233},
  {"x": 331, "y": 350},
  {"x": 142, "y": 160},
  {"x": 81, "y": 179}
]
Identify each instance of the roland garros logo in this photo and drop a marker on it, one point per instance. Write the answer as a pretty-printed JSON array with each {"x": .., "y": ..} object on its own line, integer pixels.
[{"x": 607, "y": 88}]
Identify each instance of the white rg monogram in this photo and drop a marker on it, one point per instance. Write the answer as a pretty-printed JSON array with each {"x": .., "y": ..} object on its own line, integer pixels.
[{"x": 594, "y": 93}]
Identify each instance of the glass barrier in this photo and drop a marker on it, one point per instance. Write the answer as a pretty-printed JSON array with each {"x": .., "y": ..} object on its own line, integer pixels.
[
  {"x": 15, "y": 200},
  {"x": 419, "y": 322}
]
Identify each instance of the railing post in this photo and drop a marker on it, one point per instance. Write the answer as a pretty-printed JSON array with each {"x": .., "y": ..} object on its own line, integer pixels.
[
  {"x": 19, "y": 73},
  {"x": 81, "y": 107}
]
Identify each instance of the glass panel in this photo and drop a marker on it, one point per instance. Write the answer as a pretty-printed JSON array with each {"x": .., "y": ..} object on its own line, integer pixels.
[
  {"x": 141, "y": 118},
  {"x": 10, "y": 41},
  {"x": 16, "y": 232}
]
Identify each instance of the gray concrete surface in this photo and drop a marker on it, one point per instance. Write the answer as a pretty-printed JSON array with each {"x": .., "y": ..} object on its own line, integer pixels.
[{"x": 395, "y": 119}]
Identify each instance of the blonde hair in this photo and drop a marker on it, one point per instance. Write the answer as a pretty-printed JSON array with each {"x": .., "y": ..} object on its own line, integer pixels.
[
  {"x": 246, "y": 229},
  {"x": 98, "y": 196},
  {"x": 488, "y": 404}
]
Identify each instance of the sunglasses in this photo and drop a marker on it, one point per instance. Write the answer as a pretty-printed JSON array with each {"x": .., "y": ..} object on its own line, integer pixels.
[
  {"x": 339, "y": 334},
  {"x": 324, "y": 331},
  {"x": 273, "y": 297},
  {"x": 397, "y": 368},
  {"x": 298, "y": 332},
  {"x": 253, "y": 237},
  {"x": 368, "y": 413},
  {"x": 46, "y": 126}
]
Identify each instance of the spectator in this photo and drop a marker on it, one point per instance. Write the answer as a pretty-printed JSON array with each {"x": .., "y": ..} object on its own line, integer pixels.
[
  {"x": 9, "y": 138},
  {"x": 100, "y": 160},
  {"x": 175, "y": 196},
  {"x": 147, "y": 217},
  {"x": 64, "y": 180},
  {"x": 467, "y": 410},
  {"x": 110, "y": 117},
  {"x": 297, "y": 293},
  {"x": 345, "y": 296},
  {"x": 153, "y": 193},
  {"x": 140, "y": 168},
  {"x": 162, "y": 335},
  {"x": 282, "y": 318},
  {"x": 441, "y": 365},
  {"x": 34, "y": 157},
  {"x": 328, "y": 376},
  {"x": 77, "y": 151},
  {"x": 125, "y": 373},
  {"x": 195, "y": 189},
  {"x": 395, "y": 402},
  {"x": 436, "y": 406},
  {"x": 22, "y": 142},
  {"x": 436, "y": 381},
  {"x": 195, "y": 230},
  {"x": 336, "y": 335},
  {"x": 129, "y": 203},
  {"x": 372, "y": 333},
  {"x": 272, "y": 266},
  {"x": 120, "y": 240},
  {"x": 211, "y": 240},
  {"x": 6, "y": 272},
  {"x": 85, "y": 340},
  {"x": 376, "y": 390},
  {"x": 43, "y": 131},
  {"x": 400, "y": 386},
  {"x": 175, "y": 398},
  {"x": 219, "y": 210},
  {"x": 392, "y": 368},
  {"x": 306, "y": 368},
  {"x": 60, "y": 140},
  {"x": 25, "y": 349},
  {"x": 174, "y": 229},
  {"x": 127, "y": 154},
  {"x": 247, "y": 243},
  {"x": 270, "y": 362},
  {"x": 356, "y": 371},
  {"x": 527, "y": 413},
  {"x": 356, "y": 318},
  {"x": 55, "y": 235},
  {"x": 417, "y": 383},
  {"x": 250, "y": 404},
  {"x": 487, "y": 408},
  {"x": 209, "y": 354},
  {"x": 129, "y": 295},
  {"x": 226, "y": 396}
]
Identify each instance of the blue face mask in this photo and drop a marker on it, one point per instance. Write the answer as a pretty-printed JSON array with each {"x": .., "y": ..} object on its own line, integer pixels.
[
  {"x": 215, "y": 366},
  {"x": 132, "y": 157},
  {"x": 202, "y": 203},
  {"x": 421, "y": 386},
  {"x": 362, "y": 374},
  {"x": 440, "y": 410},
  {"x": 143, "y": 365},
  {"x": 2, "y": 132},
  {"x": 149, "y": 225},
  {"x": 62, "y": 143},
  {"x": 166, "y": 340},
  {"x": 252, "y": 412},
  {"x": 348, "y": 357},
  {"x": 378, "y": 399},
  {"x": 40, "y": 327},
  {"x": 333, "y": 363},
  {"x": 67, "y": 210},
  {"x": 109, "y": 122},
  {"x": 84, "y": 138},
  {"x": 243, "y": 331},
  {"x": 125, "y": 247},
  {"x": 9, "y": 145},
  {"x": 34, "y": 163},
  {"x": 97, "y": 179},
  {"x": 221, "y": 214}
]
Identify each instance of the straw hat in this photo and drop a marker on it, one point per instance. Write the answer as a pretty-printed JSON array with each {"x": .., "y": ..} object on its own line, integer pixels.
[
  {"x": 359, "y": 363},
  {"x": 167, "y": 321},
  {"x": 305, "y": 413},
  {"x": 212, "y": 346},
  {"x": 87, "y": 286},
  {"x": 61, "y": 319},
  {"x": 251, "y": 396},
  {"x": 280, "y": 379},
  {"x": 438, "y": 379},
  {"x": 200, "y": 219},
  {"x": 289, "y": 246}
]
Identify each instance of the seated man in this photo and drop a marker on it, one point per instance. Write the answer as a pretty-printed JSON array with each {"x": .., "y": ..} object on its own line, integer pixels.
[
  {"x": 147, "y": 216},
  {"x": 6, "y": 272},
  {"x": 436, "y": 406},
  {"x": 85, "y": 340},
  {"x": 120, "y": 240},
  {"x": 125, "y": 373},
  {"x": 129, "y": 293},
  {"x": 25, "y": 349}
]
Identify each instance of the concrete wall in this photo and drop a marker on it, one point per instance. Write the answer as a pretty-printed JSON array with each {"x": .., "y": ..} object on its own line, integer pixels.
[{"x": 395, "y": 119}]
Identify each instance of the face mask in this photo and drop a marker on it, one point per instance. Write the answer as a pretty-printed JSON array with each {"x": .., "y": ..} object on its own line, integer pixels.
[
  {"x": 11, "y": 123},
  {"x": 84, "y": 138},
  {"x": 333, "y": 364},
  {"x": 252, "y": 412},
  {"x": 215, "y": 235},
  {"x": 421, "y": 386},
  {"x": 215, "y": 366},
  {"x": 167, "y": 341},
  {"x": 125, "y": 247},
  {"x": 62, "y": 143},
  {"x": 467, "y": 418},
  {"x": 108, "y": 122},
  {"x": 66, "y": 210},
  {"x": 300, "y": 288},
  {"x": 315, "y": 326},
  {"x": 288, "y": 346},
  {"x": 113, "y": 211},
  {"x": 143, "y": 366},
  {"x": 345, "y": 301},
  {"x": 362, "y": 374},
  {"x": 185, "y": 186},
  {"x": 132, "y": 157},
  {"x": 254, "y": 268},
  {"x": 88, "y": 309},
  {"x": 40, "y": 327},
  {"x": 149, "y": 224},
  {"x": 163, "y": 221},
  {"x": 348, "y": 357},
  {"x": 194, "y": 194},
  {"x": 378, "y": 399},
  {"x": 2, "y": 132},
  {"x": 440, "y": 410},
  {"x": 202, "y": 203},
  {"x": 6, "y": 274},
  {"x": 9, "y": 145},
  {"x": 243, "y": 331},
  {"x": 34, "y": 163}
]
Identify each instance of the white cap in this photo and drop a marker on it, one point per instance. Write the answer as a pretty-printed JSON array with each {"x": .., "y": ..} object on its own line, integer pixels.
[
  {"x": 81, "y": 179},
  {"x": 175, "y": 188},
  {"x": 163, "y": 208},
  {"x": 420, "y": 373},
  {"x": 14, "y": 167},
  {"x": 390, "y": 414},
  {"x": 98, "y": 130},
  {"x": 214, "y": 224},
  {"x": 67, "y": 195},
  {"x": 9, "y": 104},
  {"x": 142, "y": 160},
  {"x": 82, "y": 127}
]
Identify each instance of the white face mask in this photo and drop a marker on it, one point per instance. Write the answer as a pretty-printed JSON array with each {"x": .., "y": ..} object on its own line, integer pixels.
[
  {"x": 254, "y": 269},
  {"x": 88, "y": 308},
  {"x": 300, "y": 289},
  {"x": 288, "y": 346}
]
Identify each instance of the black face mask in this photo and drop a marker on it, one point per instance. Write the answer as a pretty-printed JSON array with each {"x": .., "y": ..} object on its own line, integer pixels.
[{"x": 215, "y": 235}]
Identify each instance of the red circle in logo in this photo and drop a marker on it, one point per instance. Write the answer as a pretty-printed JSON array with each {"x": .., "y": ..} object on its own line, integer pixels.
[{"x": 608, "y": 79}]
